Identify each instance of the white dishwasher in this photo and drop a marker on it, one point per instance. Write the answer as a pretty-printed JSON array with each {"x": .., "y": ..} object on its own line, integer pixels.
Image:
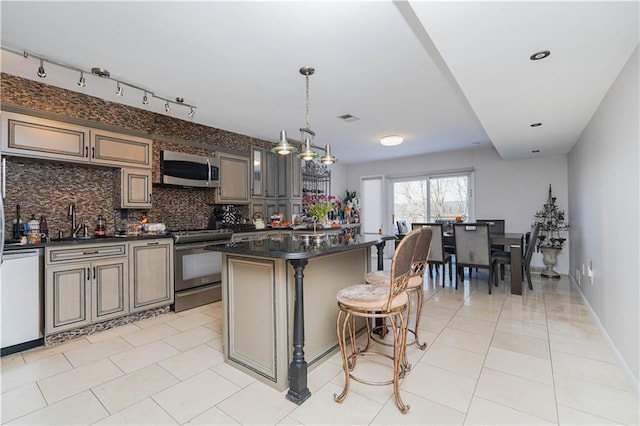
[{"x": 21, "y": 300}]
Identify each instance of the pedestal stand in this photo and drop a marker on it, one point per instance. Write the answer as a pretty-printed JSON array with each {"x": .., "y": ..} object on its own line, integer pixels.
[{"x": 550, "y": 259}]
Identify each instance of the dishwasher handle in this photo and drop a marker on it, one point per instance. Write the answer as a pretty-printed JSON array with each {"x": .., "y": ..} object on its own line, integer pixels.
[{"x": 19, "y": 254}]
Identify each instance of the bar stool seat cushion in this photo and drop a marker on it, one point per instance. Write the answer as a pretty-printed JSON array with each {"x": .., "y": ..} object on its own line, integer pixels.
[
  {"x": 366, "y": 297},
  {"x": 380, "y": 278}
]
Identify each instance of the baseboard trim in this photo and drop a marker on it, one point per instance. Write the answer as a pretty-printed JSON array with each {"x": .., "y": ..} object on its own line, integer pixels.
[{"x": 633, "y": 380}]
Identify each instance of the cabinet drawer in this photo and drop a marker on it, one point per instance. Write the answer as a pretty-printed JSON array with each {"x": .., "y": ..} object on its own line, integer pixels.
[{"x": 84, "y": 252}]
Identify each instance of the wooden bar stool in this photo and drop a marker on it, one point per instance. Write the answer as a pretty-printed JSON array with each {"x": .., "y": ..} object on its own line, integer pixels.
[
  {"x": 415, "y": 286},
  {"x": 370, "y": 302}
]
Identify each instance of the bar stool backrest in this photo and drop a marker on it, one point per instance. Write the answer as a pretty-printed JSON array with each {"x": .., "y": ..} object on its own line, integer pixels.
[
  {"x": 401, "y": 265},
  {"x": 422, "y": 250}
]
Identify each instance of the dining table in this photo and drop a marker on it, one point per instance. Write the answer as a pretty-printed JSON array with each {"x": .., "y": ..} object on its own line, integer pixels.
[{"x": 514, "y": 240}]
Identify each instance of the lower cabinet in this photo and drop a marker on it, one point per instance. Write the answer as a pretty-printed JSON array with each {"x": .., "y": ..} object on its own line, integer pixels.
[
  {"x": 151, "y": 274},
  {"x": 89, "y": 283},
  {"x": 80, "y": 292}
]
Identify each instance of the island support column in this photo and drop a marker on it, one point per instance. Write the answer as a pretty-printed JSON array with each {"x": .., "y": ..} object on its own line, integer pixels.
[{"x": 298, "y": 390}]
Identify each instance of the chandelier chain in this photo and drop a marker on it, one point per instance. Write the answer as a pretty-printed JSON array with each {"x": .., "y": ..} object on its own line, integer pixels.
[{"x": 307, "y": 80}]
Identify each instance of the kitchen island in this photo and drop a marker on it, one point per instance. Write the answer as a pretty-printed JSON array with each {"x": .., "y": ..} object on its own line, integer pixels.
[{"x": 269, "y": 331}]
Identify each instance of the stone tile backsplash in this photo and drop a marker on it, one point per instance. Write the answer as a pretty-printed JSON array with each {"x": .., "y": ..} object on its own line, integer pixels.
[{"x": 47, "y": 188}]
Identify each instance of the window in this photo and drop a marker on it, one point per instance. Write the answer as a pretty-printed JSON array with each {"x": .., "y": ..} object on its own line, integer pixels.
[{"x": 432, "y": 198}]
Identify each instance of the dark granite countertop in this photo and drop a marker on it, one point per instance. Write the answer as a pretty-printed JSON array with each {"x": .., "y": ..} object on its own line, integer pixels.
[
  {"x": 13, "y": 245},
  {"x": 300, "y": 247}
]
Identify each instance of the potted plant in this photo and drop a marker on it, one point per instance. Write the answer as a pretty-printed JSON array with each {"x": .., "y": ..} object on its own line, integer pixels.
[{"x": 550, "y": 241}]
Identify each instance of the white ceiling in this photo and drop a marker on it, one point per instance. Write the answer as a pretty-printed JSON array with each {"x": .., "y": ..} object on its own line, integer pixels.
[{"x": 442, "y": 74}]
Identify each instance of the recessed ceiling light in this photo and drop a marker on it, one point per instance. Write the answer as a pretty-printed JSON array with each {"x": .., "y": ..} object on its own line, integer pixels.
[
  {"x": 536, "y": 124},
  {"x": 539, "y": 55},
  {"x": 391, "y": 140},
  {"x": 535, "y": 151}
]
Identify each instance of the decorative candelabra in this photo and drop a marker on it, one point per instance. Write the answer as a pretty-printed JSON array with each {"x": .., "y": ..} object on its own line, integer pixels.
[{"x": 550, "y": 242}]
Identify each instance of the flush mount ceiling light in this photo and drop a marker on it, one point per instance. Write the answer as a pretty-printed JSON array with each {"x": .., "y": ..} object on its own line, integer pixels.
[
  {"x": 102, "y": 73},
  {"x": 391, "y": 140},
  {"x": 539, "y": 55}
]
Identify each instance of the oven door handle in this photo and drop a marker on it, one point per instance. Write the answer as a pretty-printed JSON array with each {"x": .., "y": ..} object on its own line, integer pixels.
[{"x": 192, "y": 246}]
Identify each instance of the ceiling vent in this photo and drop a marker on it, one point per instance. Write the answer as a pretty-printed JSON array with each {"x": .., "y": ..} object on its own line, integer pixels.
[{"x": 348, "y": 118}]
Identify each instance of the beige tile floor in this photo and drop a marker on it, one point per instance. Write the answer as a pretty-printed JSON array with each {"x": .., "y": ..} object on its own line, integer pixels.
[{"x": 491, "y": 359}]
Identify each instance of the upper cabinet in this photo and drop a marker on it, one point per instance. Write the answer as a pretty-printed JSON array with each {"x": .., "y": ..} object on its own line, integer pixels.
[
  {"x": 120, "y": 150},
  {"x": 234, "y": 179},
  {"x": 270, "y": 175},
  {"x": 289, "y": 176},
  {"x": 28, "y": 136},
  {"x": 135, "y": 189}
]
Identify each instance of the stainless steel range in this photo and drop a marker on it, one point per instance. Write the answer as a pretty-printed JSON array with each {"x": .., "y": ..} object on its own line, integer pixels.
[{"x": 198, "y": 270}]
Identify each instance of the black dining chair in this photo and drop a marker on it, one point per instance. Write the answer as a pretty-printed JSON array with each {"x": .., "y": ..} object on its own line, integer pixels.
[
  {"x": 437, "y": 256},
  {"x": 496, "y": 226},
  {"x": 473, "y": 248},
  {"x": 504, "y": 258}
]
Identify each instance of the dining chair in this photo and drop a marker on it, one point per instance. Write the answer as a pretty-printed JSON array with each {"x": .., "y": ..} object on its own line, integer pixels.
[
  {"x": 496, "y": 226},
  {"x": 473, "y": 248},
  {"x": 504, "y": 258},
  {"x": 389, "y": 303},
  {"x": 437, "y": 256}
]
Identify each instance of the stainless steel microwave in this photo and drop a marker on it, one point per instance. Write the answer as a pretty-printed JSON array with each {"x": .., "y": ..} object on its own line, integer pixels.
[{"x": 178, "y": 168}]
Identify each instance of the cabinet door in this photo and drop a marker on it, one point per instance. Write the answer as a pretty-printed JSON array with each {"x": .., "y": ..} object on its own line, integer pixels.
[
  {"x": 234, "y": 179},
  {"x": 150, "y": 274},
  {"x": 271, "y": 209},
  {"x": 295, "y": 178},
  {"x": 281, "y": 190},
  {"x": 24, "y": 135},
  {"x": 67, "y": 299},
  {"x": 110, "y": 289},
  {"x": 270, "y": 174},
  {"x": 135, "y": 187},
  {"x": 257, "y": 172},
  {"x": 120, "y": 150}
]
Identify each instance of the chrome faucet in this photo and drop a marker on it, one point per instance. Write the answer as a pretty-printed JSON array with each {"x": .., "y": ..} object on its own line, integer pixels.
[{"x": 75, "y": 228}]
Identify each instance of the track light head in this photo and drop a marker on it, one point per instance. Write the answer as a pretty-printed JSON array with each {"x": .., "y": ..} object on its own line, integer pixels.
[
  {"x": 82, "y": 82},
  {"x": 41, "y": 72},
  {"x": 119, "y": 90},
  {"x": 167, "y": 107},
  {"x": 145, "y": 100},
  {"x": 192, "y": 112}
]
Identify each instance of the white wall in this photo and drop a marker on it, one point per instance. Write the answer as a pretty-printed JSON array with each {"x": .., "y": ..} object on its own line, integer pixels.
[
  {"x": 513, "y": 190},
  {"x": 603, "y": 188}
]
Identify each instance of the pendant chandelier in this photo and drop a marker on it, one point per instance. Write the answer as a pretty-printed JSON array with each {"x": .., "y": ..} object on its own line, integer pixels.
[{"x": 306, "y": 134}]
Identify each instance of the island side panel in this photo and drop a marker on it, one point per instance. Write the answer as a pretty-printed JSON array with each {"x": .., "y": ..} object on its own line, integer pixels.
[
  {"x": 254, "y": 329},
  {"x": 323, "y": 277}
]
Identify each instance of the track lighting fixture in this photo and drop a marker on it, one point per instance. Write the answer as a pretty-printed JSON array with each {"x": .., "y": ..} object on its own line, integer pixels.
[
  {"x": 105, "y": 74},
  {"x": 41, "y": 72}
]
